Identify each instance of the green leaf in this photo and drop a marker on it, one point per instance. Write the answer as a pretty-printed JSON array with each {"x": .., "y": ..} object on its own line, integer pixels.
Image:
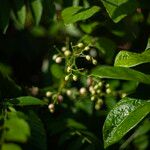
[
  {"x": 122, "y": 118},
  {"x": 38, "y": 133},
  {"x": 143, "y": 129},
  {"x": 130, "y": 59},
  {"x": 78, "y": 13},
  {"x": 88, "y": 28},
  {"x": 121, "y": 73},
  {"x": 19, "y": 12},
  {"x": 107, "y": 48},
  {"x": 36, "y": 9},
  {"x": 57, "y": 71},
  {"x": 48, "y": 11},
  {"x": 8, "y": 88},
  {"x": 148, "y": 44},
  {"x": 71, "y": 123},
  {"x": 26, "y": 101},
  {"x": 118, "y": 9},
  {"x": 4, "y": 15},
  {"x": 17, "y": 130},
  {"x": 11, "y": 146}
]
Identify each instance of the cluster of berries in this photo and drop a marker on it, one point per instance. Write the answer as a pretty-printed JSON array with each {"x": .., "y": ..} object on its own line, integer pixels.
[
  {"x": 70, "y": 57},
  {"x": 57, "y": 98}
]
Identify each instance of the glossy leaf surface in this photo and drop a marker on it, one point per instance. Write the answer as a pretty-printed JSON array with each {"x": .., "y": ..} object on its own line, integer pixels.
[
  {"x": 130, "y": 59},
  {"x": 122, "y": 118},
  {"x": 121, "y": 73}
]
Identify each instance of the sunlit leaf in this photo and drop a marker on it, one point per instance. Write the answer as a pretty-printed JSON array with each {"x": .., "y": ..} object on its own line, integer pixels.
[
  {"x": 130, "y": 59},
  {"x": 78, "y": 13},
  {"x": 19, "y": 12},
  {"x": 17, "y": 130},
  {"x": 36, "y": 9},
  {"x": 11, "y": 146}
]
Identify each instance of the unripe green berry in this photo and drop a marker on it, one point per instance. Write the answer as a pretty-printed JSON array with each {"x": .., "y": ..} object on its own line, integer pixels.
[
  {"x": 80, "y": 45},
  {"x": 58, "y": 60},
  {"x": 98, "y": 91},
  {"x": 69, "y": 92},
  {"x": 94, "y": 62},
  {"x": 107, "y": 85},
  {"x": 86, "y": 48},
  {"x": 97, "y": 106},
  {"x": 88, "y": 57},
  {"x": 67, "y": 78},
  {"x": 75, "y": 78},
  {"x": 63, "y": 48},
  {"x": 68, "y": 69},
  {"x": 108, "y": 91},
  {"x": 96, "y": 87},
  {"x": 100, "y": 101},
  {"x": 48, "y": 94},
  {"x": 51, "y": 107},
  {"x": 93, "y": 92},
  {"x": 123, "y": 95},
  {"x": 54, "y": 57},
  {"x": 91, "y": 88},
  {"x": 92, "y": 98},
  {"x": 67, "y": 53},
  {"x": 82, "y": 91},
  {"x": 100, "y": 84}
]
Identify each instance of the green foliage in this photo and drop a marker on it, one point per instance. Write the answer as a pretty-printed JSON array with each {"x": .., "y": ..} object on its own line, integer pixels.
[
  {"x": 118, "y": 9},
  {"x": 4, "y": 15},
  {"x": 18, "y": 130},
  {"x": 122, "y": 118},
  {"x": 130, "y": 59},
  {"x": 14, "y": 129},
  {"x": 61, "y": 86},
  {"x": 121, "y": 73},
  {"x": 10, "y": 146},
  {"x": 26, "y": 101},
  {"x": 19, "y": 12},
  {"x": 74, "y": 14},
  {"x": 37, "y": 130},
  {"x": 8, "y": 88},
  {"x": 36, "y": 9}
]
